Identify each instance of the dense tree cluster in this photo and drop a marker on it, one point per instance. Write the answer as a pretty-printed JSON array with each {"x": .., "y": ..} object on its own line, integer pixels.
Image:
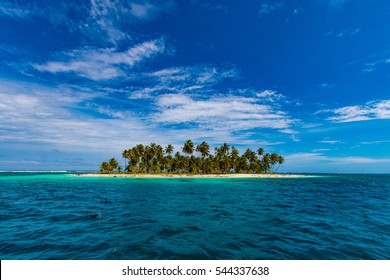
[
  {"x": 109, "y": 167},
  {"x": 198, "y": 159}
]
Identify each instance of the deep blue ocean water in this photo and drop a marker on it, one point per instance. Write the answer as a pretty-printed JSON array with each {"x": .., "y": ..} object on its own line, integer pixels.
[{"x": 61, "y": 216}]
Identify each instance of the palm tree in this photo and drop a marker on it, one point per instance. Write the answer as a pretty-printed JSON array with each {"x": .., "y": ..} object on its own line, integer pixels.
[
  {"x": 274, "y": 159},
  {"x": 159, "y": 153},
  {"x": 169, "y": 149},
  {"x": 225, "y": 149},
  {"x": 168, "y": 164},
  {"x": 188, "y": 147},
  {"x": 146, "y": 158},
  {"x": 210, "y": 165},
  {"x": 134, "y": 157},
  {"x": 251, "y": 160},
  {"x": 280, "y": 161},
  {"x": 226, "y": 164},
  {"x": 194, "y": 165},
  {"x": 177, "y": 155},
  {"x": 114, "y": 164},
  {"x": 266, "y": 162},
  {"x": 153, "y": 158},
  {"x": 139, "y": 150},
  {"x": 234, "y": 156},
  {"x": 125, "y": 154},
  {"x": 203, "y": 148},
  {"x": 181, "y": 163},
  {"x": 260, "y": 151},
  {"x": 242, "y": 165},
  {"x": 105, "y": 167}
]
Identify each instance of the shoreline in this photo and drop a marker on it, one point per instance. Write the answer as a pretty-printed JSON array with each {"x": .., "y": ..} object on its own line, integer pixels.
[{"x": 160, "y": 176}]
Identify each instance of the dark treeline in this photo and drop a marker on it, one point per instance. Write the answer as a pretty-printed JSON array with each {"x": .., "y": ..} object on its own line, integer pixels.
[{"x": 198, "y": 159}]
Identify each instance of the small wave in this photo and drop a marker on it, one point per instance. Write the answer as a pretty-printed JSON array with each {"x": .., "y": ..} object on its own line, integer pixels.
[
  {"x": 232, "y": 246},
  {"x": 193, "y": 228},
  {"x": 75, "y": 218},
  {"x": 189, "y": 213},
  {"x": 113, "y": 254},
  {"x": 274, "y": 219},
  {"x": 169, "y": 232},
  {"x": 89, "y": 217},
  {"x": 277, "y": 221},
  {"x": 282, "y": 205}
]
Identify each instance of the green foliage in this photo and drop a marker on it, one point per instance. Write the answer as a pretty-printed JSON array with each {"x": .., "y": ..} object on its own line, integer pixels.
[
  {"x": 188, "y": 147},
  {"x": 109, "y": 167},
  {"x": 105, "y": 167},
  {"x": 154, "y": 158}
]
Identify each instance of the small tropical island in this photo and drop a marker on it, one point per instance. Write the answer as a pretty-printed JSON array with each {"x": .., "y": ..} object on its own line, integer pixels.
[{"x": 154, "y": 160}]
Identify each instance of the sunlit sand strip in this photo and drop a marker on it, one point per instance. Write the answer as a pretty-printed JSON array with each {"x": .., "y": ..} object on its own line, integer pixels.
[{"x": 194, "y": 176}]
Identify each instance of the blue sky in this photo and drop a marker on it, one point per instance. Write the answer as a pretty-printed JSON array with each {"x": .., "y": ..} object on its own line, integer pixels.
[{"x": 83, "y": 80}]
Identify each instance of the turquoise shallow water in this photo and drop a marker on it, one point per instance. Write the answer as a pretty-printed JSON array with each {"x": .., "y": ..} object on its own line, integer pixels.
[{"x": 60, "y": 216}]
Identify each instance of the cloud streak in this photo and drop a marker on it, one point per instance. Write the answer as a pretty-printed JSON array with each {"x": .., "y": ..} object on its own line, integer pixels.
[
  {"x": 8, "y": 9},
  {"x": 233, "y": 113},
  {"x": 113, "y": 17},
  {"x": 319, "y": 157},
  {"x": 372, "y": 110},
  {"x": 267, "y": 8},
  {"x": 103, "y": 64},
  {"x": 104, "y": 13},
  {"x": 336, "y": 4},
  {"x": 64, "y": 118},
  {"x": 98, "y": 21},
  {"x": 73, "y": 119}
]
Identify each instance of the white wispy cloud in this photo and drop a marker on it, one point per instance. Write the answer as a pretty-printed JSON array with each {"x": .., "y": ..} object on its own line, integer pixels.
[
  {"x": 327, "y": 141},
  {"x": 270, "y": 96},
  {"x": 104, "y": 13},
  {"x": 195, "y": 75},
  {"x": 114, "y": 17},
  {"x": 320, "y": 150},
  {"x": 103, "y": 64},
  {"x": 186, "y": 96},
  {"x": 345, "y": 33},
  {"x": 63, "y": 117},
  {"x": 326, "y": 85},
  {"x": 305, "y": 157},
  {"x": 232, "y": 113},
  {"x": 370, "y": 65},
  {"x": 318, "y": 161},
  {"x": 20, "y": 162},
  {"x": 349, "y": 32},
  {"x": 319, "y": 157},
  {"x": 298, "y": 11},
  {"x": 98, "y": 21},
  {"x": 147, "y": 92},
  {"x": 58, "y": 14},
  {"x": 375, "y": 142},
  {"x": 14, "y": 10},
  {"x": 335, "y": 3},
  {"x": 198, "y": 79},
  {"x": 77, "y": 120},
  {"x": 141, "y": 10},
  {"x": 207, "y": 5},
  {"x": 359, "y": 160},
  {"x": 267, "y": 8},
  {"x": 370, "y": 111}
]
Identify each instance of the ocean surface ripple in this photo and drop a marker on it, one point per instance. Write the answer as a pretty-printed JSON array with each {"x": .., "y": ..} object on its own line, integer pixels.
[{"x": 61, "y": 216}]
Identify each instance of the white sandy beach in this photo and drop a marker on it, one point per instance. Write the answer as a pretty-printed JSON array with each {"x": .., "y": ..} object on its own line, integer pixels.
[{"x": 191, "y": 175}]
